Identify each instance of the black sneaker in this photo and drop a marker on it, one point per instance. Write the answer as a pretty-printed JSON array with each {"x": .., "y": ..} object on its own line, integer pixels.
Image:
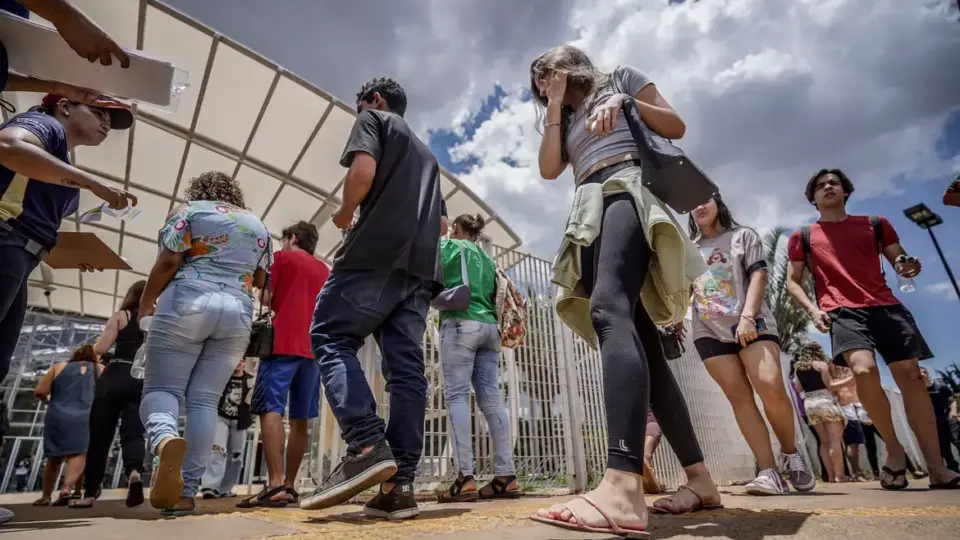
[
  {"x": 399, "y": 503},
  {"x": 355, "y": 474}
]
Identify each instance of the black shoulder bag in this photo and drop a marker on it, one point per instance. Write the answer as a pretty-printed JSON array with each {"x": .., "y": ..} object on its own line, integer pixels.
[
  {"x": 261, "y": 331},
  {"x": 667, "y": 172}
]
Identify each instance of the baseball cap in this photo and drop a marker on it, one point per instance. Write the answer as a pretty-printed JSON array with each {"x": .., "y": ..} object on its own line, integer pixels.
[{"x": 120, "y": 115}]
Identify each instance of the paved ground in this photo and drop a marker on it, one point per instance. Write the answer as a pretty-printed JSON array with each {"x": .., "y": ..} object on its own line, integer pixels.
[{"x": 847, "y": 512}]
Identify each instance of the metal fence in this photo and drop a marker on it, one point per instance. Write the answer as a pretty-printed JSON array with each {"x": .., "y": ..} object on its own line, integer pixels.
[{"x": 552, "y": 387}]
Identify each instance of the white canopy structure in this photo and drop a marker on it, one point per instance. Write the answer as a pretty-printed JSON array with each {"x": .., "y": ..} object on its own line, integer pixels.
[{"x": 279, "y": 135}]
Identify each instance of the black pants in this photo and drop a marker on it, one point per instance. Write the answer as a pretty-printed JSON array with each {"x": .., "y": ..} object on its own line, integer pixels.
[
  {"x": 869, "y": 431},
  {"x": 946, "y": 445},
  {"x": 117, "y": 398},
  {"x": 635, "y": 371},
  {"x": 16, "y": 267}
]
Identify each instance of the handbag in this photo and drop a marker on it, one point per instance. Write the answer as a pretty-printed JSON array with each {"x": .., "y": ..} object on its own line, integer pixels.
[
  {"x": 455, "y": 298},
  {"x": 673, "y": 347},
  {"x": 667, "y": 172},
  {"x": 261, "y": 331}
]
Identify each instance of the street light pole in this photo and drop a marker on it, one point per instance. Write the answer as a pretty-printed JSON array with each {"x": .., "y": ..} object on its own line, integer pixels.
[
  {"x": 926, "y": 219},
  {"x": 946, "y": 266}
]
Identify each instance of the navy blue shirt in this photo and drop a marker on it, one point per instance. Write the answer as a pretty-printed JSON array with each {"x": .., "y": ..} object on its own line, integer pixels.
[
  {"x": 33, "y": 207},
  {"x": 16, "y": 9}
]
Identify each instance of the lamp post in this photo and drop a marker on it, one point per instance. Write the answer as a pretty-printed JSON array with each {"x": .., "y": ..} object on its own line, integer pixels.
[{"x": 927, "y": 219}]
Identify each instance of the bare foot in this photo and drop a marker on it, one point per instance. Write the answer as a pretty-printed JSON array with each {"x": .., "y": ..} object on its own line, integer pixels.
[
  {"x": 619, "y": 494},
  {"x": 943, "y": 476}
]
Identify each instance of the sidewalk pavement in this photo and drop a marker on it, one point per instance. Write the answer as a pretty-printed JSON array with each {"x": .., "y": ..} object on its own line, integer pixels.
[{"x": 845, "y": 511}]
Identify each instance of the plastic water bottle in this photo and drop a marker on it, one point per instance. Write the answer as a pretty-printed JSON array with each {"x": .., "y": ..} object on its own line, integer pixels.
[
  {"x": 138, "y": 369},
  {"x": 906, "y": 284}
]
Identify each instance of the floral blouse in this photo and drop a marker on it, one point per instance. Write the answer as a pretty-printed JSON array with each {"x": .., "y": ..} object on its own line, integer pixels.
[{"x": 223, "y": 244}]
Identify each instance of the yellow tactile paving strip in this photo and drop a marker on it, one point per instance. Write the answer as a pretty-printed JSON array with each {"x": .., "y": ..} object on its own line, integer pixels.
[{"x": 337, "y": 525}]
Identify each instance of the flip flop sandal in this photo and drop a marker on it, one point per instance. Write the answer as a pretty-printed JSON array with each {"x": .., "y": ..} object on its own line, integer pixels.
[
  {"x": 293, "y": 493},
  {"x": 170, "y": 512},
  {"x": 699, "y": 506},
  {"x": 42, "y": 501},
  {"x": 613, "y": 528},
  {"x": 953, "y": 484},
  {"x": 62, "y": 500},
  {"x": 167, "y": 476},
  {"x": 76, "y": 503},
  {"x": 498, "y": 489},
  {"x": 264, "y": 499},
  {"x": 134, "y": 494},
  {"x": 455, "y": 494},
  {"x": 891, "y": 485}
]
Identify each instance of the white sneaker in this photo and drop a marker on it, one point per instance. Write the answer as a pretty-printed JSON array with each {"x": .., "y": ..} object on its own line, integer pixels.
[
  {"x": 768, "y": 482},
  {"x": 801, "y": 478},
  {"x": 5, "y": 515}
]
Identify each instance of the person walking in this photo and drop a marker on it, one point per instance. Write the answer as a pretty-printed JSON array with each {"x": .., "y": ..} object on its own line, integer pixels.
[
  {"x": 384, "y": 275},
  {"x": 296, "y": 279},
  {"x": 854, "y": 304},
  {"x": 604, "y": 261},
  {"x": 735, "y": 335},
  {"x": 117, "y": 400},
  {"x": 213, "y": 254},
  {"x": 68, "y": 389},
  {"x": 233, "y": 420},
  {"x": 945, "y": 410},
  {"x": 812, "y": 371},
  {"x": 470, "y": 352}
]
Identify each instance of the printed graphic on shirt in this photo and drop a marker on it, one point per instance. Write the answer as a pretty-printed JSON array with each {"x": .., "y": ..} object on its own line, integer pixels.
[
  {"x": 232, "y": 396},
  {"x": 714, "y": 290}
]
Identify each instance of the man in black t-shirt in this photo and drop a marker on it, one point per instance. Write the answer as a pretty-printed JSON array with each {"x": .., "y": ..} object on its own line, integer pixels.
[
  {"x": 945, "y": 410},
  {"x": 383, "y": 278}
]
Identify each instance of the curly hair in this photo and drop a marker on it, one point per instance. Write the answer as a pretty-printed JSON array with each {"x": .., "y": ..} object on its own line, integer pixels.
[
  {"x": 808, "y": 353},
  {"x": 84, "y": 353},
  {"x": 215, "y": 186},
  {"x": 389, "y": 89}
]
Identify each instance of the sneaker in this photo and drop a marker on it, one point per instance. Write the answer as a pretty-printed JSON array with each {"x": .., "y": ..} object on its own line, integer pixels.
[
  {"x": 768, "y": 482},
  {"x": 801, "y": 478},
  {"x": 399, "y": 503},
  {"x": 353, "y": 475},
  {"x": 5, "y": 515}
]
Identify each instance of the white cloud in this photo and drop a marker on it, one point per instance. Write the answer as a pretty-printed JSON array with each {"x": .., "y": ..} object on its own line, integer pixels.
[
  {"x": 770, "y": 92},
  {"x": 943, "y": 289}
]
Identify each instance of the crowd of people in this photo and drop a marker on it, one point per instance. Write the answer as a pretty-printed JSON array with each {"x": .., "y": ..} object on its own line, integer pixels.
[{"x": 625, "y": 268}]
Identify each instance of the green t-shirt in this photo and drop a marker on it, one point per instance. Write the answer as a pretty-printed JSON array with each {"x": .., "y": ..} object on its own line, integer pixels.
[{"x": 482, "y": 276}]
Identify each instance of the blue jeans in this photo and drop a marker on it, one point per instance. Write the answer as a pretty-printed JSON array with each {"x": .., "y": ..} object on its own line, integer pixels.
[
  {"x": 393, "y": 308},
  {"x": 226, "y": 458},
  {"x": 470, "y": 351},
  {"x": 15, "y": 269},
  {"x": 198, "y": 334}
]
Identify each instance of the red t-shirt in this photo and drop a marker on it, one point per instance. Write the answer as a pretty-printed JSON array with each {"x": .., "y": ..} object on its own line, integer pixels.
[
  {"x": 296, "y": 278},
  {"x": 846, "y": 264}
]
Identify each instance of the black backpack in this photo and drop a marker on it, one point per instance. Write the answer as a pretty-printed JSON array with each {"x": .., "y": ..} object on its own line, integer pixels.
[{"x": 808, "y": 254}]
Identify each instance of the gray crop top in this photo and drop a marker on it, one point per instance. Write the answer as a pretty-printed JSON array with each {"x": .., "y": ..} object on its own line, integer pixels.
[{"x": 586, "y": 149}]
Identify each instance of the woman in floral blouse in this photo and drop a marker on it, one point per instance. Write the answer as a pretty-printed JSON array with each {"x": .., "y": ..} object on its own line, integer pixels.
[{"x": 213, "y": 252}]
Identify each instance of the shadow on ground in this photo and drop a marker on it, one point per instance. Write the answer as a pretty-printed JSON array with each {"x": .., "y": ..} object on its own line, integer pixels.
[{"x": 730, "y": 523}]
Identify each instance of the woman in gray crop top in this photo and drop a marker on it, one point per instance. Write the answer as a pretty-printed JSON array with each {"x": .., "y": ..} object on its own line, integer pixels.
[
  {"x": 583, "y": 127},
  {"x": 735, "y": 335}
]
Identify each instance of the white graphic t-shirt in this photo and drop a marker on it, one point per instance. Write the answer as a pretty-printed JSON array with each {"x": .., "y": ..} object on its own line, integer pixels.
[{"x": 719, "y": 294}]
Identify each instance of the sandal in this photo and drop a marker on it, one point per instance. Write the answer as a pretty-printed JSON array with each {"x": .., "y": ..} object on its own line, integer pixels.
[
  {"x": 85, "y": 502},
  {"x": 650, "y": 484},
  {"x": 613, "y": 528},
  {"x": 264, "y": 499},
  {"x": 455, "y": 493},
  {"x": 42, "y": 501},
  {"x": 892, "y": 484},
  {"x": 167, "y": 476},
  {"x": 498, "y": 489},
  {"x": 698, "y": 506},
  {"x": 293, "y": 493},
  {"x": 953, "y": 484},
  {"x": 181, "y": 512},
  {"x": 63, "y": 499}
]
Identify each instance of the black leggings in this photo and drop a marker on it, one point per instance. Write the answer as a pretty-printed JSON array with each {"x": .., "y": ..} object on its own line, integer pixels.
[
  {"x": 117, "y": 398},
  {"x": 635, "y": 371}
]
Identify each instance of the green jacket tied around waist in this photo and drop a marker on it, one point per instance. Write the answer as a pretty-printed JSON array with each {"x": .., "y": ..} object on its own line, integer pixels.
[{"x": 676, "y": 263}]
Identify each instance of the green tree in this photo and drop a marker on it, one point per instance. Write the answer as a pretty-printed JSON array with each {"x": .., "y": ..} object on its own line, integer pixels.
[
  {"x": 792, "y": 320},
  {"x": 951, "y": 377}
]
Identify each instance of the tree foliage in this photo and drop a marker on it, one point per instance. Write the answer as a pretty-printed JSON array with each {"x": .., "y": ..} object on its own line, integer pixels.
[{"x": 792, "y": 320}]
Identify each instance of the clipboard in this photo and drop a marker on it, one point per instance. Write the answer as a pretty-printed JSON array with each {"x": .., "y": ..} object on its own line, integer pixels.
[{"x": 74, "y": 249}]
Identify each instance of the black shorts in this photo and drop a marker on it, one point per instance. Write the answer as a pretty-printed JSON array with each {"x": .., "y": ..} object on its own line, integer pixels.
[
  {"x": 853, "y": 433},
  {"x": 889, "y": 330},
  {"x": 708, "y": 347}
]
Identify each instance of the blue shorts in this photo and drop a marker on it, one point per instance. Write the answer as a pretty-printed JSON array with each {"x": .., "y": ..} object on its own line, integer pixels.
[{"x": 278, "y": 376}]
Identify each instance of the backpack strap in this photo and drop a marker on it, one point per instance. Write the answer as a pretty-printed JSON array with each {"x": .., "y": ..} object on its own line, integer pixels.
[
  {"x": 805, "y": 244},
  {"x": 878, "y": 238}
]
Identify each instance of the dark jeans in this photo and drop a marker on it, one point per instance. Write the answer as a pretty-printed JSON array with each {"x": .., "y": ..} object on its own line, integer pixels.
[
  {"x": 393, "y": 308},
  {"x": 945, "y": 439},
  {"x": 117, "y": 399},
  {"x": 15, "y": 267}
]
